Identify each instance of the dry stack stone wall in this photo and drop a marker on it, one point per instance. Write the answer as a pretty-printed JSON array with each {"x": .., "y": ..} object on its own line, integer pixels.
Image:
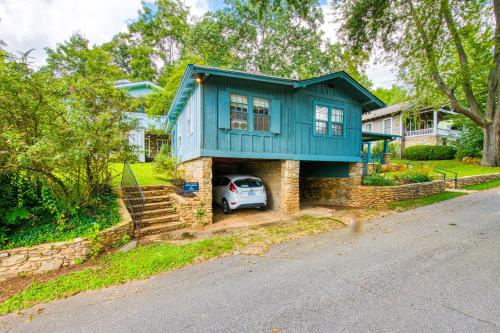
[
  {"x": 200, "y": 170},
  {"x": 290, "y": 192},
  {"x": 472, "y": 180},
  {"x": 47, "y": 257}
]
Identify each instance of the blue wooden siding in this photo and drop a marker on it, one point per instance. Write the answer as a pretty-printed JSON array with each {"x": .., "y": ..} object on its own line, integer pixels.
[
  {"x": 189, "y": 145},
  {"x": 292, "y": 135}
]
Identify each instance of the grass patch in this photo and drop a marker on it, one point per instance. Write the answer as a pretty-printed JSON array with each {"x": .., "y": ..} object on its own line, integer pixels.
[
  {"x": 414, "y": 203},
  {"x": 145, "y": 261},
  {"x": 484, "y": 186},
  {"x": 144, "y": 173},
  {"x": 461, "y": 168}
]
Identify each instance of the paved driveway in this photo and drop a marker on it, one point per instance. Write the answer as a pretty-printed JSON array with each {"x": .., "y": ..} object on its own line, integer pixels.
[{"x": 433, "y": 269}]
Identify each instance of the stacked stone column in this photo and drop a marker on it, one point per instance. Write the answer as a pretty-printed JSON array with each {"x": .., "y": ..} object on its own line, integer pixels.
[
  {"x": 200, "y": 170},
  {"x": 290, "y": 192}
]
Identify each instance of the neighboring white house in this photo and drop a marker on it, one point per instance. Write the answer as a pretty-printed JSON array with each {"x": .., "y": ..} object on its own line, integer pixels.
[
  {"x": 432, "y": 126},
  {"x": 151, "y": 134}
]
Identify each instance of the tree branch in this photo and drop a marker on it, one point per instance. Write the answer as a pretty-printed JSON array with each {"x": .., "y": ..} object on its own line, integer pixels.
[
  {"x": 462, "y": 56},
  {"x": 478, "y": 118}
]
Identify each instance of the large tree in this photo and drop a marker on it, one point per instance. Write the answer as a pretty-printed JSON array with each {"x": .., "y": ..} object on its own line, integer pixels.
[{"x": 453, "y": 43}]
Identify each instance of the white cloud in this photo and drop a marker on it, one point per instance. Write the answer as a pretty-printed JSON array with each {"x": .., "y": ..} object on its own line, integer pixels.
[
  {"x": 44, "y": 23},
  {"x": 197, "y": 7}
]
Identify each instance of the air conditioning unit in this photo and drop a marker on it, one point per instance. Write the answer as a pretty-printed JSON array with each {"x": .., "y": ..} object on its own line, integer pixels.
[{"x": 239, "y": 124}]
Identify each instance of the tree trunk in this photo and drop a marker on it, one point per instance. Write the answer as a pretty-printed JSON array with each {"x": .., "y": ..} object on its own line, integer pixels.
[{"x": 491, "y": 145}]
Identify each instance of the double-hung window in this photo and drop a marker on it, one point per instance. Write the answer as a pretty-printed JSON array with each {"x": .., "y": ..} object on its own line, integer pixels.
[
  {"x": 261, "y": 116},
  {"x": 239, "y": 112},
  {"x": 328, "y": 121},
  {"x": 388, "y": 125},
  {"x": 321, "y": 116},
  {"x": 337, "y": 121}
]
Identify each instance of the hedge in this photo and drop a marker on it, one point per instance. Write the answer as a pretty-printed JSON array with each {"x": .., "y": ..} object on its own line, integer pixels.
[{"x": 427, "y": 152}]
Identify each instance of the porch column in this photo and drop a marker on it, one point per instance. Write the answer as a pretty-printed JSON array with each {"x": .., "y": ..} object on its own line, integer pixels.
[{"x": 435, "y": 121}]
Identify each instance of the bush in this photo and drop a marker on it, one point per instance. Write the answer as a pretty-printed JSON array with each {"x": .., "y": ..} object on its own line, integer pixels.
[
  {"x": 378, "y": 148},
  {"x": 378, "y": 180},
  {"x": 167, "y": 164},
  {"x": 417, "y": 175},
  {"x": 426, "y": 152},
  {"x": 393, "y": 167}
]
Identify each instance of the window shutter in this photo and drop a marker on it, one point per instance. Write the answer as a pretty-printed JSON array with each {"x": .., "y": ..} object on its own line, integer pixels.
[
  {"x": 223, "y": 111},
  {"x": 275, "y": 116}
]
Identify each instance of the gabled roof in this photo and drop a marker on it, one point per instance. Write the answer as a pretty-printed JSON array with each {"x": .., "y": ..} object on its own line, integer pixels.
[
  {"x": 405, "y": 107},
  {"x": 192, "y": 72},
  {"x": 127, "y": 84}
]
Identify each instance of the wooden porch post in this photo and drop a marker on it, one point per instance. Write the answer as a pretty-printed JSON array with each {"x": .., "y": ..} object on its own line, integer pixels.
[{"x": 435, "y": 121}]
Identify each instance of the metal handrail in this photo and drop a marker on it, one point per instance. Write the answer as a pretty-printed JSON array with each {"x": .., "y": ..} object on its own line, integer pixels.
[
  {"x": 440, "y": 171},
  {"x": 133, "y": 195}
]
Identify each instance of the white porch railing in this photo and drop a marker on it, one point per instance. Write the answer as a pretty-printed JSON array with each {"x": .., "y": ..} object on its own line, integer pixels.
[{"x": 430, "y": 131}]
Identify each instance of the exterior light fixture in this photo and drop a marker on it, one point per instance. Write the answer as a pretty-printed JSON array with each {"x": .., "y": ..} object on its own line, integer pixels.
[{"x": 198, "y": 79}]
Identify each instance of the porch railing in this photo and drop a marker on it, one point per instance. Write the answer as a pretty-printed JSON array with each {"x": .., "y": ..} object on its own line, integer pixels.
[
  {"x": 133, "y": 196},
  {"x": 440, "y": 131}
]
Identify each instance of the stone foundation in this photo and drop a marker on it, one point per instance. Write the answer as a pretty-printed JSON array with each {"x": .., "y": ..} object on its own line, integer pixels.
[
  {"x": 47, "y": 257},
  {"x": 200, "y": 170},
  {"x": 289, "y": 189},
  {"x": 431, "y": 140}
]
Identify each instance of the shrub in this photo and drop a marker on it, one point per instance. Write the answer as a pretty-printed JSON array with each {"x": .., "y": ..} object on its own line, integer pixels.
[
  {"x": 426, "y": 152},
  {"x": 378, "y": 148},
  {"x": 417, "y": 175},
  {"x": 167, "y": 164},
  {"x": 393, "y": 167},
  {"x": 378, "y": 180}
]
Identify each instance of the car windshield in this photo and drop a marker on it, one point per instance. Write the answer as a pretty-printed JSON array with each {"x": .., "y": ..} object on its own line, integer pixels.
[{"x": 248, "y": 183}]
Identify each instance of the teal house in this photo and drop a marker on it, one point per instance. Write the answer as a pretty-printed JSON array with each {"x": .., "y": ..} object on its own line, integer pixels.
[{"x": 281, "y": 130}]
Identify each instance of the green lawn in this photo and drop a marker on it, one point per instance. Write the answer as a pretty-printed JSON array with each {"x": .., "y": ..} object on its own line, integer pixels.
[
  {"x": 484, "y": 186},
  {"x": 144, "y": 173},
  {"x": 414, "y": 203},
  {"x": 459, "y": 167}
]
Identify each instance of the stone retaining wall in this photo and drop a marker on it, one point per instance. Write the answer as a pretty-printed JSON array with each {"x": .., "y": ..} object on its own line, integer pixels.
[
  {"x": 472, "y": 180},
  {"x": 186, "y": 208},
  {"x": 380, "y": 196},
  {"x": 52, "y": 256},
  {"x": 200, "y": 170}
]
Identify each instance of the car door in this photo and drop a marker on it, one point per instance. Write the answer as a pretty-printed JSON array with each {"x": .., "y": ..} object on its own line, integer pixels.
[{"x": 224, "y": 182}]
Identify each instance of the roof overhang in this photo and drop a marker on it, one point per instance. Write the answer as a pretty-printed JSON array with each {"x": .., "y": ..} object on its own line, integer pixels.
[
  {"x": 147, "y": 84},
  {"x": 194, "y": 72},
  {"x": 371, "y": 136}
]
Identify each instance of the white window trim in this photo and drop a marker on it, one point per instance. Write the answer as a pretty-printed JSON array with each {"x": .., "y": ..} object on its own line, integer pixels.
[
  {"x": 383, "y": 125},
  {"x": 371, "y": 126},
  {"x": 158, "y": 147}
]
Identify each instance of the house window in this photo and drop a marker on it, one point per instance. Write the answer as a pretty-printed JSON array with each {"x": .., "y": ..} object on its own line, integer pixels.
[
  {"x": 321, "y": 117},
  {"x": 261, "y": 114},
  {"x": 162, "y": 142},
  {"x": 337, "y": 120},
  {"x": 239, "y": 112},
  {"x": 388, "y": 125},
  {"x": 368, "y": 127}
]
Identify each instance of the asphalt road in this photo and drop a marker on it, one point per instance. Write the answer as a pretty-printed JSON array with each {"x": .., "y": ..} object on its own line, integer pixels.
[{"x": 433, "y": 269}]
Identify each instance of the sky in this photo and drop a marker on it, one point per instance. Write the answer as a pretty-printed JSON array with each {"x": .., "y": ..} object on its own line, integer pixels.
[{"x": 36, "y": 24}]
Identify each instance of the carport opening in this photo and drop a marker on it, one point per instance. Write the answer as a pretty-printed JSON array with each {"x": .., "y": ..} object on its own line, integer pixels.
[{"x": 269, "y": 171}]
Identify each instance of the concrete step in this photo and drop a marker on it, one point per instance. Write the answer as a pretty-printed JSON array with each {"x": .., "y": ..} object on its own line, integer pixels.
[
  {"x": 159, "y": 219},
  {"x": 158, "y": 212},
  {"x": 160, "y": 228}
]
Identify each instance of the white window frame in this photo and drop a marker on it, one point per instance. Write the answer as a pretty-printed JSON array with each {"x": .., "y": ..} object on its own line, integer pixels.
[
  {"x": 158, "y": 146},
  {"x": 390, "y": 128},
  {"x": 366, "y": 125},
  {"x": 147, "y": 140}
]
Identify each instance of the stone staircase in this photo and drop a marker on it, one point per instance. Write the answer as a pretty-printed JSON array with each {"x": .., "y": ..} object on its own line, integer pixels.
[{"x": 160, "y": 215}]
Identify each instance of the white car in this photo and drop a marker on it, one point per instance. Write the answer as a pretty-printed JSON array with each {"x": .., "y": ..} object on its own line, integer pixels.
[{"x": 239, "y": 191}]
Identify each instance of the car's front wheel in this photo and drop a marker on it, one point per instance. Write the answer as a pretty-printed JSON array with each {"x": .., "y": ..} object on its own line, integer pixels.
[{"x": 225, "y": 207}]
